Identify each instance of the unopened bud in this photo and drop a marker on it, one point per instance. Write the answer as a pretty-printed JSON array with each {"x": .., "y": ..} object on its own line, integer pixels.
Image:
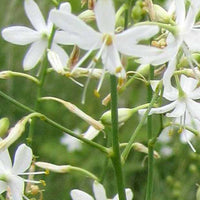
[
  {"x": 4, "y": 125},
  {"x": 87, "y": 16},
  {"x": 123, "y": 115},
  {"x": 141, "y": 148},
  {"x": 5, "y": 74},
  {"x": 16, "y": 131},
  {"x": 74, "y": 109},
  {"x": 161, "y": 15},
  {"x": 91, "y": 4},
  {"x": 52, "y": 167},
  {"x": 83, "y": 72},
  {"x": 91, "y": 133}
]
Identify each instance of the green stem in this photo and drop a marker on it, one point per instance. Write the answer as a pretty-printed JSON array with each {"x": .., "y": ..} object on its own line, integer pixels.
[
  {"x": 116, "y": 159},
  {"x": 42, "y": 77},
  {"x": 56, "y": 125},
  {"x": 150, "y": 147},
  {"x": 134, "y": 135}
]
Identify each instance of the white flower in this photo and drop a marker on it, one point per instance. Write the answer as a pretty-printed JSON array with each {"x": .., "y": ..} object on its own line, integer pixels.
[
  {"x": 99, "y": 193},
  {"x": 108, "y": 43},
  {"x": 37, "y": 37},
  {"x": 10, "y": 179},
  {"x": 71, "y": 143},
  {"x": 183, "y": 107},
  {"x": 187, "y": 37}
]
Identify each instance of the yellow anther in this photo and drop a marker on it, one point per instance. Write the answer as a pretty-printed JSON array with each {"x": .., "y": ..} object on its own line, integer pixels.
[
  {"x": 155, "y": 44},
  {"x": 95, "y": 59},
  {"x": 180, "y": 130},
  {"x": 108, "y": 39},
  {"x": 43, "y": 182},
  {"x": 118, "y": 69},
  {"x": 46, "y": 172},
  {"x": 68, "y": 74},
  {"x": 170, "y": 133},
  {"x": 120, "y": 81},
  {"x": 96, "y": 94}
]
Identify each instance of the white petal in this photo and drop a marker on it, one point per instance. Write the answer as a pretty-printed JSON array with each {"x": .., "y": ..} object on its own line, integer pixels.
[
  {"x": 91, "y": 133},
  {"x": 105, "y": 16},
  {"x": 5, "y": 159},
  {"x": 170, "y": 92},
  {"x": 111, "y": 60},
  {"x": 62, "y": 37},
  {"x": 195, "y": 94},
  {"x": 99, "y": 191},
  {"x": 34, "y": 54},
  {"x": 55, "y": 61},
  {"x": 129, "y": 195},
  {"x": 186, "y": 136},
  {"x": 154, "y": 84},
  {"x": 192, "y": 39},
  {"x": 193, "y": 108},
  {"x": 178, "y": 111},
  {"x": 180, "y": 11},
  {"x": 135, "y": 34},
  {"x": 80, "y": 195},
  {"x": 65, "y": 7},
  {"x": 34, "y": 14},
  {"x": 23, "y": 159},
  {"x": 20, "y": 35},
  {"x": 188, "y": 84},
  {"x": 3, "y": 187},
  {"x": 16, "y": 185},
  {"x": 61, "y": 53},
  {"x": 163, "y": 109},
  {"x": 81, "y": 34}
]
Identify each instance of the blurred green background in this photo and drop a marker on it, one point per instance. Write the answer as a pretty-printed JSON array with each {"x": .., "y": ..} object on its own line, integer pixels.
[{"x": 175, "y": 175}]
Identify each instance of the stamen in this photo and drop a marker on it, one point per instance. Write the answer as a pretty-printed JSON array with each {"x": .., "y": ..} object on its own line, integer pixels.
[
  {"x": 96, "y": 94},
  {"x": 32, "y": 173}
]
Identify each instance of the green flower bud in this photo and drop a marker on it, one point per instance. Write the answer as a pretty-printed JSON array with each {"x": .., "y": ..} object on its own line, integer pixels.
[
  {"x": 123, "y": 115},
  {"x": 161, "y": 15},
  {"x": 4, "y": 125}
]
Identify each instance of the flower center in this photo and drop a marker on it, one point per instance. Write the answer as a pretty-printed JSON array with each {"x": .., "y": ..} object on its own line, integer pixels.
[{"x": 107, "y": 38}]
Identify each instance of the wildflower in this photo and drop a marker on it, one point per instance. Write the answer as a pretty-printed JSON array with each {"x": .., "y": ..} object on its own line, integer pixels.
[
  {"x": 108, "y": 43},
  {"x": 38, "y": 38},
  {"x": 186, "y": 37},
  {"x": 99, "y": 193},
  {"x": 183, "y": 107},
  {"x": 10, "y": 179}
]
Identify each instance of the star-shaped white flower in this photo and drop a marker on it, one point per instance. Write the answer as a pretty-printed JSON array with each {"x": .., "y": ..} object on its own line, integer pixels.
[
  {"x": 187, "y": 37},
  {"x": 10, "y": 179},
  {"x": 99, "y": 193},
  {"x": 108, "y": 43},
  {"x": 184, "y": 109},
  {"x": 180, "y": 103},
  {"x": 37, "y": 37}
]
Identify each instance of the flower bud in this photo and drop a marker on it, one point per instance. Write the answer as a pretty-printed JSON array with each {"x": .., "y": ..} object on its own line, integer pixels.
[
  {"x": 52, "y": 167},
  {"x": 87, "y": 16},
  {"x": 74, "y": 109},
  {"x": 91, "y": 133},
  {"x": 141, "y": 148},
  {"x": 5, "y": 74},
  {"x": 123, "y": 115},
  {"x": 4, "y": 125}
]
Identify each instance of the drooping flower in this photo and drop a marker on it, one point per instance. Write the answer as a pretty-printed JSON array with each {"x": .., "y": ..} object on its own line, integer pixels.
[
  {"x": 99, "y": 193},
  {"x": 10, "y": 179},
  {"x": 108, "y": 43},
  {"x": 37, "y": 37}
]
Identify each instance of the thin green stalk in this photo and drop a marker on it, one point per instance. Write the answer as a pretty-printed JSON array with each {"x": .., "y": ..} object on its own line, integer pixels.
[
  {"x": 56, "y": 125},
  {"x": 42, "y": 77},
  {"x": 134, "y": 135},
  {"x": 150, "y": 147},
  {"x": 116, "y": 158}
]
